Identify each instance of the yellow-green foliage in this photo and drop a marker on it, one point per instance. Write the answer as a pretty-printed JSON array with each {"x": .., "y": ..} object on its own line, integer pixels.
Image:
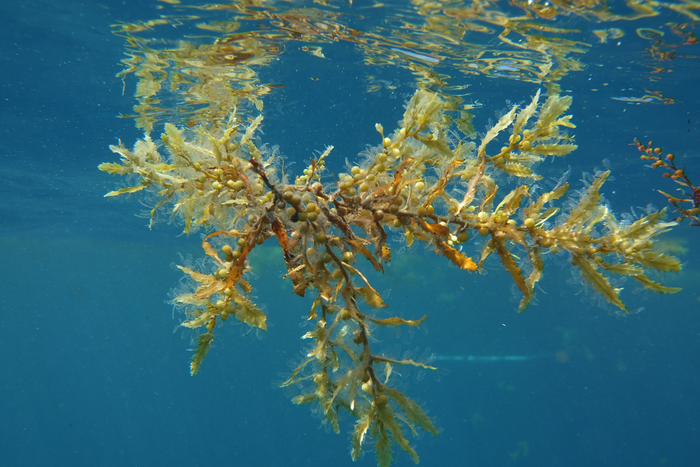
[{"x": 423, "y": 182}]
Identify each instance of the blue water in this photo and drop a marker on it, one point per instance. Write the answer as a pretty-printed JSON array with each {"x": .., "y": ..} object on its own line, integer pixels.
[{"x": 92, "y": 373}]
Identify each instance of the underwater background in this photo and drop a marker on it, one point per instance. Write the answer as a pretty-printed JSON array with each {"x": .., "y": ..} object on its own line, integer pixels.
[{"x": 92, "y": 373}]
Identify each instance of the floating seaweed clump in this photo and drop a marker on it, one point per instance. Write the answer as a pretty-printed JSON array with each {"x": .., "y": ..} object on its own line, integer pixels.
[
  {"x": 422, "y": 182},
  {"x": 687, "y": 204}
]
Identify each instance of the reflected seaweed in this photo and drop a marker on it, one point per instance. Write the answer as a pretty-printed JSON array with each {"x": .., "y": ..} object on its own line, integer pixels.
[{"x": 503, "y": 40}]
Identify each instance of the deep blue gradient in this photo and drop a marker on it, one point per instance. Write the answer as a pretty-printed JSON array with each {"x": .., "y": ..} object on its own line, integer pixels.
[{"x": 92, "y": 374}]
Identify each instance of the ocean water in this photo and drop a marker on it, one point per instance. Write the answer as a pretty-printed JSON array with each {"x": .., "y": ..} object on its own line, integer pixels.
[{"x": 92, "y": 372}]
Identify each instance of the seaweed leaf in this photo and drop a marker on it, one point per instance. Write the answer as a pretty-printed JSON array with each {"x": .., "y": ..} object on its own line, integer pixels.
[
  {"x": 396, "y": 321},
  {"x": 359, "y": 433},
  {"x": 533, "y": 210},
  {"x": 377, "y": 358},
  {"x": 525, "y": 114},
  {"x": 656, "y": 260},
  {"x": 197, "y": 276},
  {"x": 598, "y": 281},
  {"x": 388, "y": 420},
  {"x": 511, "y": 201},
  {"x": 511, "y": 266},
  {"x": 247, "y": 312},
  {"x": 413, "y": 410},
  {"x": 503, "y": 123},
  {"x": 647, "y": 226},
  {"x": 551, "y": 110},
  {"x": 203, "y": 345},
  {"x": 129, "y": 189},
  {"x": 436, "y": 229},
  {"x": 304, "y": 398},
  {"x": 382, "y": 447},
  {"x": 456, "y": 256},
  {"x": 517, "y": 169},
  {"x": 114, "y": 168},
  {"x": 533, "y": 278},
  {"x": 655, "y": 286},
  {"x": 623, "y": 269},
  {"x": 586, "y": 205},
  {"x": 552, "y": 149},
  {"x": 371, "y": 296},
  {"x": 200, "y": 320}
]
